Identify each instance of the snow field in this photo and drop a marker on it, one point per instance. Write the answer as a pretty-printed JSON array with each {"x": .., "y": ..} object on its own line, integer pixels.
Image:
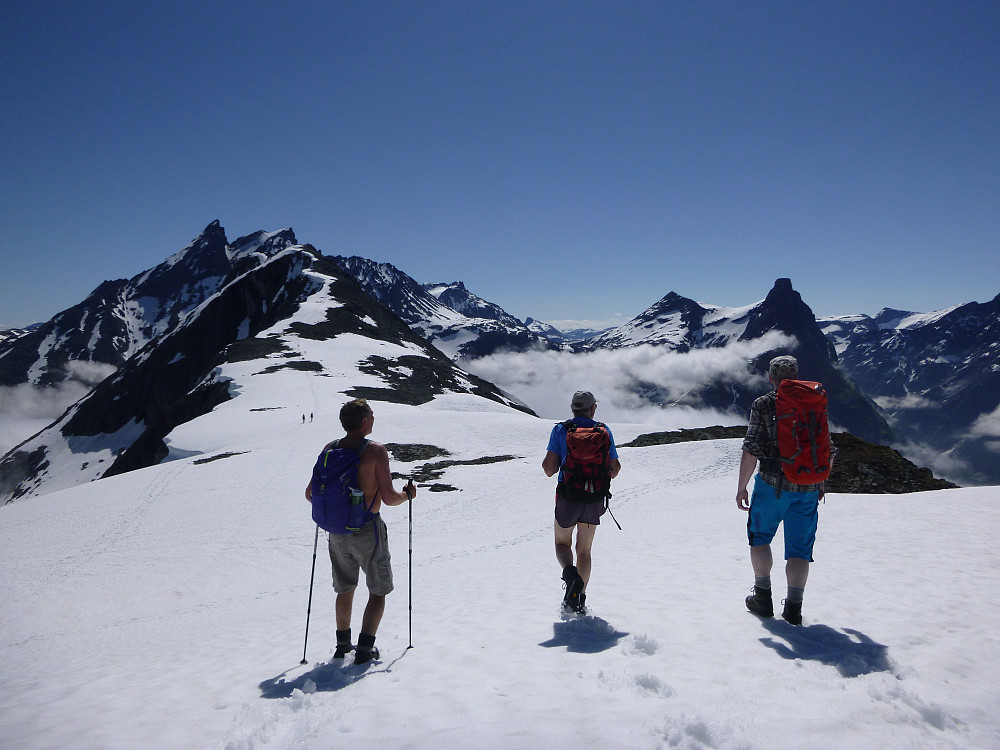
[{"x": 166, "y": 608}]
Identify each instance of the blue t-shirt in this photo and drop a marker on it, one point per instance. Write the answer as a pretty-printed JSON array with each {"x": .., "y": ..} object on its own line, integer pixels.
[{"x": 557, "y": 440}]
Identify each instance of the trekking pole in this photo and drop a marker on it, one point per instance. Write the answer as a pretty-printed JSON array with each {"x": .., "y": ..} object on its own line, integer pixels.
[
  {"x": 411, "y": 568},
  {"x": 312, "y": 578}
]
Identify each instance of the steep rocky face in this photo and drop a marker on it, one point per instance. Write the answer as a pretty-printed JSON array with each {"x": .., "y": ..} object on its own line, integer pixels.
[
  {"x": 461, "y": 300},
  {"x": 456, "y": 321},
  {"x": 120, "y": 317},
  {"x": 399, "y": 292},
  {"x": 783, "y": 310},
  {"x": 92, "y": 331}
]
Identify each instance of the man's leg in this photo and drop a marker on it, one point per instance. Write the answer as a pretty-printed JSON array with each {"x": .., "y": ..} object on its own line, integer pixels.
[
  {"x": 760, "y": 601},
  {"x": 761, "y": 559},
  {"x": 366, "y": 650},
  {"x": 572, "y": 580},
  {"x": 801, "y": 521},
  {"x": 564, "y": 545},
  {"x": 373, "y": 614},
  {"x": 796, "y": 572},
  {"x": 345, "y": 603},
  {"x": 584, "y": 541}
]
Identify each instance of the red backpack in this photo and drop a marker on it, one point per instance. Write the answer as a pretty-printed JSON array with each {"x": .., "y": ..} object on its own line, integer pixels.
[
  {"x": 803, "y": 433},
  {"x": 587, "y": 468}
]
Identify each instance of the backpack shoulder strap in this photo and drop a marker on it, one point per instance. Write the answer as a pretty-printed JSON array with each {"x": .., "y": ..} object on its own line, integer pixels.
[{"x": 338, "y": 445}]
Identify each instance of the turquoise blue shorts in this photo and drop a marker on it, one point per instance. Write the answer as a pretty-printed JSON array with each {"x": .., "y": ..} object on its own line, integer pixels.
[{"x": 798, "y": 510}]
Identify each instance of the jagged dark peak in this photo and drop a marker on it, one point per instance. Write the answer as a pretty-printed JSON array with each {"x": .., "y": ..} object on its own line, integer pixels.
[
  {"x": 673, "y": 302},
  {"x": 207, "y": 255},
  {"x": 784, "y": 310},
  {"x": 461, "y": 300},
  {"x": 395, "y": 289},
  {"x": 368, "y": 271},
  {"x": 267, "y": 243}
]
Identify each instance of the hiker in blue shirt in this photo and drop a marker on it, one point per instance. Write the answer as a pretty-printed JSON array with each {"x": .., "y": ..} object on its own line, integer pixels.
[{"x": 574, "y": 514}]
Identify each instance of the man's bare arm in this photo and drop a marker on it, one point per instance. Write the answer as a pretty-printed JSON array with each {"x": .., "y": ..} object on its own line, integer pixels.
[
  {"x": 748, "y": 462},
  {"x": 383, "y": 478},
  {"x": 550, "y": 464}
]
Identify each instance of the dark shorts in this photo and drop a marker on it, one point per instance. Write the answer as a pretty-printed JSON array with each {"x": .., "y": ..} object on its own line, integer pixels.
[
  {"x": 365, "y": 550},
  {"x": 799, "y": 511},
  {"x": 571, "y": 512}
]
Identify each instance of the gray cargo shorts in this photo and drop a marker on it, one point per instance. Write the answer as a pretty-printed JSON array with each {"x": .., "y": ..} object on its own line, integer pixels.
[{"x": 365, "y": 550}]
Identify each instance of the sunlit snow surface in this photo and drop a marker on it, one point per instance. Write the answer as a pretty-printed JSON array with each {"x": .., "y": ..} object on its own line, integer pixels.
[{"x": 166, "y": 608}]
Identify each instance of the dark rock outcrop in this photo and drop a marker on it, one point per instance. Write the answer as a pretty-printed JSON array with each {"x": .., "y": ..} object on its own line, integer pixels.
[{"x": 861, "y": 467}]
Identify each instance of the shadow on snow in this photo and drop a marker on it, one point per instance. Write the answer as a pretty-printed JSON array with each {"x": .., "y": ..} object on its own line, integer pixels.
[
  {"x": 583, "y": 635},
  {"x": 852, "y": 652},
  {"x": 322, "y": 678}
]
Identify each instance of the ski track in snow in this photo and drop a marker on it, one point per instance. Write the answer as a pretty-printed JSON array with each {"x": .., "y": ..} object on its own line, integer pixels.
[{"x": 166, "y": 607}]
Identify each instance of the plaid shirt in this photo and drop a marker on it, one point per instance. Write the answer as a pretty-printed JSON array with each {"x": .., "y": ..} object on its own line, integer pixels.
[{"x": 762, "y": 442}]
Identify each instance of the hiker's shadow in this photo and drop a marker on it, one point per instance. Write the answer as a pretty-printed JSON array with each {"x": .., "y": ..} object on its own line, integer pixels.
[
  {"x": 322, "y": 678},
  {"x": 852, "y": 652},
  {"x": 584, "y": 635}
]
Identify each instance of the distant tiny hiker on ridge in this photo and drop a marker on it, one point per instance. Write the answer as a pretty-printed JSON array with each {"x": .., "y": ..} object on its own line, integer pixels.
[{"x": 583, "y": 452}]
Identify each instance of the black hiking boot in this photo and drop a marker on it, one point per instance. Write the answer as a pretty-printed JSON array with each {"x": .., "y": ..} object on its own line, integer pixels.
[
  {"x": 343, "y": 651},
  {"x": 574, "y": 588},
  {"x": 363, "y": 657},
  {"x": 792, "y": 612},
  {"x": 366, "y": 651},
  {"x": 759, "y": 602}
]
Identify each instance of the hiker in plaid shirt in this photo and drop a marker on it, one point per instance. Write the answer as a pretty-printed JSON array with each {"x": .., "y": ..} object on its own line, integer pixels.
[{"x": 776, "y": 500}]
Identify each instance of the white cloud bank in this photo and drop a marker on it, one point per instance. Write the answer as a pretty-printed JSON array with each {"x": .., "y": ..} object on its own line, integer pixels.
[
  {"x": 25, "y": 409},
  {"x": 546, "y": 380},
  {"x": 987, "y": 425}
]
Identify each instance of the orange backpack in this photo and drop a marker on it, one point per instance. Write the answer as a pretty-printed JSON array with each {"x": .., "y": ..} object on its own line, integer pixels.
[
  {"x": 803, "y": 432},
  {"x": 587, "y": 468}
]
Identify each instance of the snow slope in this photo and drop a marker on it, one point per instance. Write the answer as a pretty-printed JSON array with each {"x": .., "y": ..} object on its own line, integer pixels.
[{"x": 166, "y": 607}]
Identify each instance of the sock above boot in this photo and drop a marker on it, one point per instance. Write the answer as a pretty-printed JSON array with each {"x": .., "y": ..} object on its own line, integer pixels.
[
  {"x": 366, "y": 649},
  {"x": 344, "y": 646}
]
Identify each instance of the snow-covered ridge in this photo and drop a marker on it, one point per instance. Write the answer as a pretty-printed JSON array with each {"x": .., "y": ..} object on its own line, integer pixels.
[{"x": 287, "y": 320}]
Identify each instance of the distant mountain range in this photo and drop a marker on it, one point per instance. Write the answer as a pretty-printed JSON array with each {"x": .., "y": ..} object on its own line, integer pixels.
[
  {"x": 457, "y": 322},
  {"x": 922, "y": 380},
  {"x": 937, "y": 378}
]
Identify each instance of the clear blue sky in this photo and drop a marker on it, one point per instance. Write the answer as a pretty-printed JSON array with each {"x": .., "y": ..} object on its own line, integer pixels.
[{"x": 567, "y": 160}]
